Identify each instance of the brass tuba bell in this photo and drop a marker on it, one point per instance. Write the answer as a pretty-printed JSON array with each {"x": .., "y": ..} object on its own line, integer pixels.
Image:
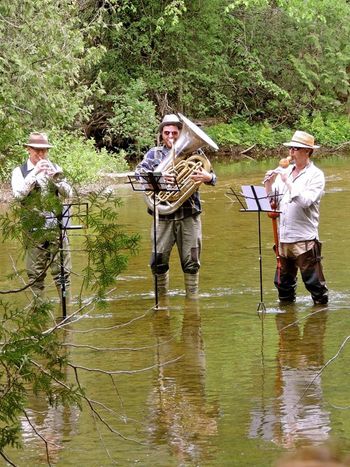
[{"x": 182, "y": 163}]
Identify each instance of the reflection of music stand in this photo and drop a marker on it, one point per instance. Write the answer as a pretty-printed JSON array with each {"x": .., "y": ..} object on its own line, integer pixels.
[
  {"x": 64, "y": 224},
  {"x": 256, "y": 200},
  {"x": 156, "y": 183}
]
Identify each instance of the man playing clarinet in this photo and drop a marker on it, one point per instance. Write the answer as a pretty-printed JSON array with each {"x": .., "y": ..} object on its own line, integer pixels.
[{"x": 298, "y": 190}]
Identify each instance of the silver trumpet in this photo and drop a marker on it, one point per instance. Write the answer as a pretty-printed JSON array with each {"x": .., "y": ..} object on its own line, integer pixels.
[
  {"x": 57, "y": 175},
  {"x": 49, "y": 171}
]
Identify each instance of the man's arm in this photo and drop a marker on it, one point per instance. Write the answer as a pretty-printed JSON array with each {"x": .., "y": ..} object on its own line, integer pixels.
[
  {"x": 311, "y": 193},
  {"x": 148, "y": 164},
  {"x": 21, "y": 187},
  {"x": 63, "y": 186}
]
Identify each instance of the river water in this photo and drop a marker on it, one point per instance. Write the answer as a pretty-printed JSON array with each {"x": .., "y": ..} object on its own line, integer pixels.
[{"x": 209, "y": 382}]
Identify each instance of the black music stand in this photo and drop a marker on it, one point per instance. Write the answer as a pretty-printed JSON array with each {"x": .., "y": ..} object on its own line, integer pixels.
[
  {"x": 256, "y": 200},
  {"x": 154, "y": 182},
  {"x": 63, "y": 221}
]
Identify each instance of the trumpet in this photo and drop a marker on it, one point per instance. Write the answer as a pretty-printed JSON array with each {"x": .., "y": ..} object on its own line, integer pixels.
[
  {"x": 46, "y": 171},
  {"x": 57, "y": 174}
]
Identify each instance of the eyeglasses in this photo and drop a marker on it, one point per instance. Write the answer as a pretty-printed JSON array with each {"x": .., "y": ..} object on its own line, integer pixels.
[
  {"x": 167, "y": 133},
  {"x": 292, "y": 148}
]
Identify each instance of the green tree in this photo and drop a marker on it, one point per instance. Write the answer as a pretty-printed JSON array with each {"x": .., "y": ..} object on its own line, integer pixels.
[
  {"x": 300, "y": 50},
  {"x": 43, "y": 51}
]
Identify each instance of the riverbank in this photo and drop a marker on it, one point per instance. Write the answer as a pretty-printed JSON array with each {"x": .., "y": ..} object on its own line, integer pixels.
[{"x": 226, "y": 154}]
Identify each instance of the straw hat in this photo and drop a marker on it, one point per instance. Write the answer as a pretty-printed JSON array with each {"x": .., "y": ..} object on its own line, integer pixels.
[
  {"x": 170, "y": 119},
  {"x": 301, "y": 139},
  {"x": 38, "y": 140}
]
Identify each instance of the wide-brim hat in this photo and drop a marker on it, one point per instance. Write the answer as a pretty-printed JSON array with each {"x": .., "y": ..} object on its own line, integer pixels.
[
  {"x": 170, "y": 119},
  {"x": 38, "y": 140},
  {"x": 301, "y": 139}
]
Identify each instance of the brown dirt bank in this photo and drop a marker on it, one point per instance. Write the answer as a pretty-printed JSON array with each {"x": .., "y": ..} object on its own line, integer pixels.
[{"x": 235, "y": 153}]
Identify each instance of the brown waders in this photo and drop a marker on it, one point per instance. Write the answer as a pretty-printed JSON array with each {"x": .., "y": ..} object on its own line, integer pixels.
[
  {"x": 38, "y": 258},
  {"x": 187, "y": 235},
  {"x": 312, "y": 275}
]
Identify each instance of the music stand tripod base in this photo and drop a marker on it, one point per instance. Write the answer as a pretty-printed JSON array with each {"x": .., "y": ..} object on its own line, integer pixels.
[
  {"x": 257, "y": 201},
  {"x": 153, "y": 182}
]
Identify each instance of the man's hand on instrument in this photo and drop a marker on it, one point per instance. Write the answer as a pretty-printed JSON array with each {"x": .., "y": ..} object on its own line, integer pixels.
[
  {"x": 168, "y": 178},
  {"x": 272, "y": 174},
  {"x": 202, "y": 175},
  {"x": 44, "y": 168}
]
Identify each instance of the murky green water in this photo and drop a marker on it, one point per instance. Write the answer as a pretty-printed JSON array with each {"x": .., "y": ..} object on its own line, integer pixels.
[{"x": 210, "y": 383}]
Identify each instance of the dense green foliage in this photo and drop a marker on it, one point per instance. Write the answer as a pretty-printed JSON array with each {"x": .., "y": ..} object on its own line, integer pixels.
[
  {"x": 110, "y": 69},
  {"x": 74, "y": 152},
  {"x": 330, "y": 130},
  {"x": 256, "y": 59}
]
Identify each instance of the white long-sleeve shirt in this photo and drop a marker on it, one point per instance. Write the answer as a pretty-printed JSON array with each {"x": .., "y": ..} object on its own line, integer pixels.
[
  {"x": 21, "y": 187},
  {"x": 300, "y": 207}
]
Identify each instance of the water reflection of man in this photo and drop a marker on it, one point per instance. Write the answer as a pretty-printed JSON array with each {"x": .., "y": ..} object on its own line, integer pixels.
[
  {"x": 46, "y": 428},
  {"x": 180, "y": 414},
  {"x": 52, "y": 425},
  {"x": 296, "y": 413}
]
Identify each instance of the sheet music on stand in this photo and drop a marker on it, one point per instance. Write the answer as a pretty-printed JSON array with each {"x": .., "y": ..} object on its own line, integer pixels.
[
  {"x": 254, "y": 199},
  {"x": 154, "y": 182}
]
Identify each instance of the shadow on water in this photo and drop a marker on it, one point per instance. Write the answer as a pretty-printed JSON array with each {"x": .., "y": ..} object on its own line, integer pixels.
[{"x": 212, "y": 382}]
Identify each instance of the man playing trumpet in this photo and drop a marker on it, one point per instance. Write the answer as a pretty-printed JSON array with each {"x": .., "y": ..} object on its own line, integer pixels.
[
  {"x": 30, "y": 182},
  {"x": 183, "y": 226},
  {"x": 298, "y": 190}
]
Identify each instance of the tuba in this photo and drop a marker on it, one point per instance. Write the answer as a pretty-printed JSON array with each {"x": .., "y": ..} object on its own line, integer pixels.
[{"x": 182, "y": 163}]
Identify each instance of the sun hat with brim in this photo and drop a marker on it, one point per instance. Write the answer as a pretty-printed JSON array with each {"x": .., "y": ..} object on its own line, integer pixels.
[
  {"x": 301, "y": 139},
  {"x": 170, "y": 119},
  {"x": 39, "y": 141}
]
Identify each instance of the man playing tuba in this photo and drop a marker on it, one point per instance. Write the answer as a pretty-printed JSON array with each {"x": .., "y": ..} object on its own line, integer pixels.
[{"x": 183, "y": 226}]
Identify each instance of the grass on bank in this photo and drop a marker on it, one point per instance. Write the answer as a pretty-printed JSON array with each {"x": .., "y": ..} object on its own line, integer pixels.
[{"x": 329, "y": 131}]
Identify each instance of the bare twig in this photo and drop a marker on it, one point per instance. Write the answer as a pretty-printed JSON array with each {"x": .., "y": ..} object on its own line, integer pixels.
[
  {"x": 123, "y": 372},
  {"x": 40, "y": 436},
  {"x": 297, "y": 321},
  {"x": 117, "y": 326},
  {"x": 87, "y": 399},
  {"x": 29, "y": 284},
  {"x": 100, "y": 418},
  {"x": 113, "y": 349},
  {"x": 10, "y": 23},
  {"x": 342, "y": 145},
  {"x": 324, "y": 367},
  {"x": 248, "y": 149},
  {"x": 3, "y": 455}
]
